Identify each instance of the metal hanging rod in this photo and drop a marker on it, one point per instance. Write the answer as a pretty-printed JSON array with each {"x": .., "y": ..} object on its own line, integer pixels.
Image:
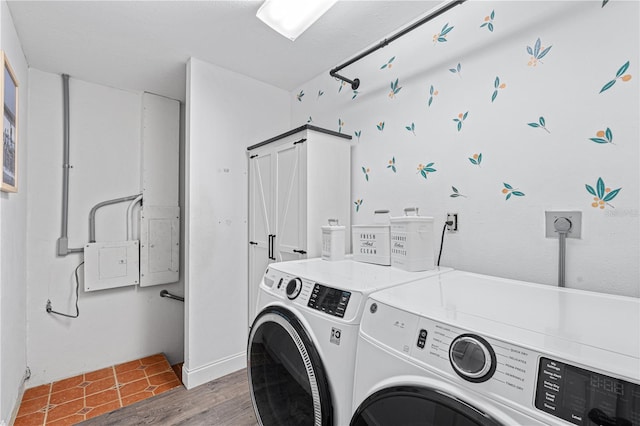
[
  {"x": 355, "y": 83},
  {"x": 165, "y": 293}
]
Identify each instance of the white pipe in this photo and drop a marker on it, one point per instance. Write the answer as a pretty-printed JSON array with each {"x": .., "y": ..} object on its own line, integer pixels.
[{"x": 130, "y": 217}]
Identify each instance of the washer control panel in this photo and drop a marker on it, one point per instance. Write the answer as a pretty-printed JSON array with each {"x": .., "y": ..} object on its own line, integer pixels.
[
  {"x": 329, "y": 300},
  {"x": 301, "y": 291}
]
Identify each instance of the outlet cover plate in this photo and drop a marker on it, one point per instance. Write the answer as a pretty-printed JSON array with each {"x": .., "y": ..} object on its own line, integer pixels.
[{"x": 576, "y": 223}]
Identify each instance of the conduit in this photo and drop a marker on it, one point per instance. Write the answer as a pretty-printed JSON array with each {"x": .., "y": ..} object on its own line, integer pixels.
[
  {"x": 63, "y": 241},
  {"x": 130, "y": 217},
  {"x": 92, "y": 213}
]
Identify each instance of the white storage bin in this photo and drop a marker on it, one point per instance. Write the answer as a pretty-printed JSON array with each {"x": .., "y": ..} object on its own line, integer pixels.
[
  {"x": 333, "y": 241},
  {"x": 412, "y": 240},
  {"x": 371, "y": 243}
]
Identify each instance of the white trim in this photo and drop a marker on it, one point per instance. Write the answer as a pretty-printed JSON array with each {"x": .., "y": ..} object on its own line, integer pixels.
[{"x": 214, "y": 370}]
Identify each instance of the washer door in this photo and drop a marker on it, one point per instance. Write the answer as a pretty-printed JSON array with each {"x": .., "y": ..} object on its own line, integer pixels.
[
  {"x": 410, "y": 405},
  {"x": 286, "y": 376}
]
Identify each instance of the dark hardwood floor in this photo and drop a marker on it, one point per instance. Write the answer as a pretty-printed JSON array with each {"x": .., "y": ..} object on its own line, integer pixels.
[{"x": 223, "y": 402}]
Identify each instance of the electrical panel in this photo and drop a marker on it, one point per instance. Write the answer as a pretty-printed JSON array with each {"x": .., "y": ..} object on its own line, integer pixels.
[
  {"x": 159, "y": 245},
  {"x": 111, "y": 264}
]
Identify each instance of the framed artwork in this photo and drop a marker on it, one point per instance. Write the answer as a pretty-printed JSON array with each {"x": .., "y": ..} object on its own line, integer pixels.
[{"x": 9, "y": 128}]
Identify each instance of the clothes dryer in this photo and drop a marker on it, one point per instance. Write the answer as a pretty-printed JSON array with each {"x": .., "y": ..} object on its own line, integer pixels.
[
  {"x": 469, "y": 349},
  {"x": 302, "y": 344}
]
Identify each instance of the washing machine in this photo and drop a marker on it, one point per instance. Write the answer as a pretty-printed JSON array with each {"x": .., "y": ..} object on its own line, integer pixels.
[
  {"x": 302, "y": 343},
  {"x": 468, "y": 349}
]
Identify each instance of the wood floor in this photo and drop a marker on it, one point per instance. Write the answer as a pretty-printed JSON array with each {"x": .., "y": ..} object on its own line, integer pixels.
[{"x": 223, "y": 402}]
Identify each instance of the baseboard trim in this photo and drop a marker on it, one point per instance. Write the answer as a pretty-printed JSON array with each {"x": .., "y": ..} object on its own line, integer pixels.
[{"x": 192, "y": 377}]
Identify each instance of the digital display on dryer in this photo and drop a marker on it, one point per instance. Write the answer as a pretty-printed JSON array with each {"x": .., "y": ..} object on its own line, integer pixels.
[
  {"x": 584, "y": 397},
  {"x": 329, "y": 300}
]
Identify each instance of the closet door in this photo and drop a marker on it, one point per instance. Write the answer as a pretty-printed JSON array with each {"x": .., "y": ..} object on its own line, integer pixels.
[
  {"x": 289, "y": 203},
  {"x": 261, "y": 223}
]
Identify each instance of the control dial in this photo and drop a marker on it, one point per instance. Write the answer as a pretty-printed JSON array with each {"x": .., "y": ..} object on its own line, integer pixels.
[
  {"x": 294, "y": 287},
  {"x": 472, "y": 358}
]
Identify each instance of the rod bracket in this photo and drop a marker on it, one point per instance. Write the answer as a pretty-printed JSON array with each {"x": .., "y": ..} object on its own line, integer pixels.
[{"x": 355, "y": 83}]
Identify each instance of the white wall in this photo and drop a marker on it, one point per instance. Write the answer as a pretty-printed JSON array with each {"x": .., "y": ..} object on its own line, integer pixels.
[
  {"x": 115, "y": 325},
  {"x": 13, "y": 247},
  {"x": 589, "y": 43},
  {"x": 226, "y": 112}
]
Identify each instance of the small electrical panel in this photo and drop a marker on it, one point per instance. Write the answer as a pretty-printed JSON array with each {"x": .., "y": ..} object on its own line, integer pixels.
[{"x": 111, "y": 265}]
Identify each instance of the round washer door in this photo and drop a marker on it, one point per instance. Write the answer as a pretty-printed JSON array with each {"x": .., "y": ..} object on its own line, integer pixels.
[
  {"x": 287, "y": 380},
  {"x": 412, "y": 405}
]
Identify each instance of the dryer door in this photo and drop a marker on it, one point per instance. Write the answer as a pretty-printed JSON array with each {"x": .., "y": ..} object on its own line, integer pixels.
[
  {"x": 412, "y": 405},
  {"x": 286, "y": 376}
]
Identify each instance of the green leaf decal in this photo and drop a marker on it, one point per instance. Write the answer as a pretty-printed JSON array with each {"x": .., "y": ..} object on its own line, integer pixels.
[
  {"x": 454, "y": 189},
  {"x": 544, "y": 52},
  {"x": 518, "y": 193},
  {"x": 542, "y": 122},
  {"x": 494, "y": 96},
  {"x": 506, "y": 185},
  {"x": 490, "y": 26},
  {"x": 496, "y": 83},
  {"x": 598, "y": 140},
  {"x": 533, "y": 124},
  {"x": 607, "y": 86},
  {"x": 611, "y": 195},
  {"x": 600, "y": 188},
  {"x": 590, "y": 190},
  {"x": 622, "y": 69},
  {"x": 609, "y": 134}
]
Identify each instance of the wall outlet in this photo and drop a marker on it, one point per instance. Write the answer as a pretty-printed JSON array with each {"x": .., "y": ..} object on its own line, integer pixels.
[
  {"x": 574, "y": 217},
  {"x": 453, "y": 217}
]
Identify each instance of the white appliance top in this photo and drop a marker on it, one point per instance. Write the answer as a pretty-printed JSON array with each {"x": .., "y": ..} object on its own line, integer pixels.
[
  {"x": 351, "y": 275},
  {"x": 589, "y": 326}
]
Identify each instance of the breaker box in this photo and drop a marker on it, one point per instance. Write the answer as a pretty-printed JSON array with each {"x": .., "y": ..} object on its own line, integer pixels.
[
  {"x": 159, "y": 245},
  {"x": 111, "y": 264}
]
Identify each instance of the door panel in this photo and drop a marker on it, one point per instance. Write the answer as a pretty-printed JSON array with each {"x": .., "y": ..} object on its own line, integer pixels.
[
  {"x": 289, "y": 200},
  {"x": 287, "y": 379},
  {"x": 261, "y": 223},
  {"x": 261, "y": 200}
]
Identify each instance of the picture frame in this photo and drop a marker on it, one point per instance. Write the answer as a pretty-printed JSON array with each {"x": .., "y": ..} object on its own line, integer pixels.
[{"x": 9, "y": 89}]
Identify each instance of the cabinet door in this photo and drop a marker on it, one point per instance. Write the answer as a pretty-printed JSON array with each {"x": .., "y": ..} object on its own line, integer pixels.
[
  {"x": 261, "y": 225},
  {"x": 289, "y": 203}
]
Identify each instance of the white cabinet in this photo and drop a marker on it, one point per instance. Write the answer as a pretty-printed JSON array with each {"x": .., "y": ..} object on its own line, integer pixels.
[{"x": 297, "y": 181}]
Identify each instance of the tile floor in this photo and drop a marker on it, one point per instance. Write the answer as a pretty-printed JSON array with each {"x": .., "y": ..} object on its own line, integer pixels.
[{"x": 72, "y": 400}]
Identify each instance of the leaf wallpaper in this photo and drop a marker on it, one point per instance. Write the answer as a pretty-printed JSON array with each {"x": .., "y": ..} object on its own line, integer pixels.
[{"x": 499, "y": 111}]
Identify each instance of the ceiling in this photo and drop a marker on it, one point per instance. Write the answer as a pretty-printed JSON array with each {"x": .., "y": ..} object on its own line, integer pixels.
[{"x": 144, "y": 45}]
